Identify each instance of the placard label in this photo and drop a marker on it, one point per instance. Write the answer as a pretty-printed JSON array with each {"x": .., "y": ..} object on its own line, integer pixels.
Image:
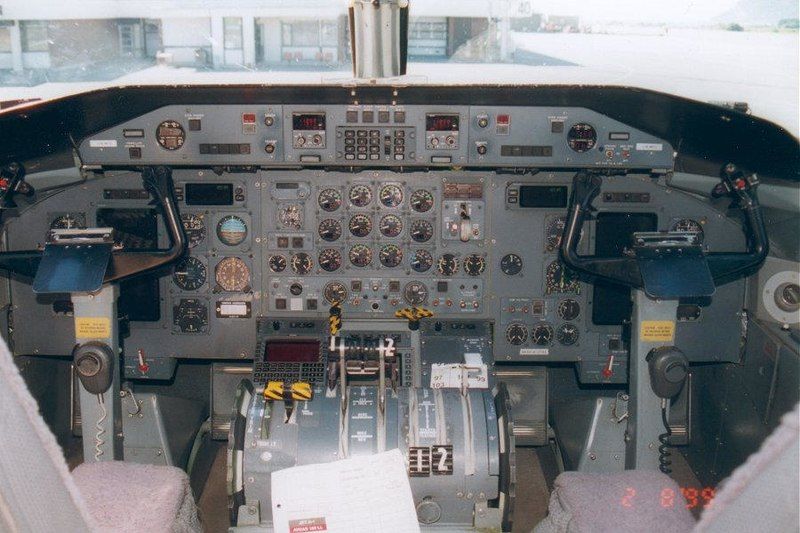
[
  {"x": 92, "y": 327},
  {"x": 658, "y": 330}
]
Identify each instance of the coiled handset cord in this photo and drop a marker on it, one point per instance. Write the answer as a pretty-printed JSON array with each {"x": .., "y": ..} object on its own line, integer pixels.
[
  {"x": 99, "y": 441},
  {"x": 664, "y": 453}
]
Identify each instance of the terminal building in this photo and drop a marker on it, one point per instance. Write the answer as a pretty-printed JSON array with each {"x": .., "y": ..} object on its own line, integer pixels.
[{"x": 214, "y": 34}]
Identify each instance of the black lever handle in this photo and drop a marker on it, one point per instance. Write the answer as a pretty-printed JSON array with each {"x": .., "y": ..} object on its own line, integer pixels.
[
  {"x": 125, "y": 264},
  {"x": 12, "y": 183},
  {"x": 624, "y": 270},
  {"x": 727, "y": 267}
]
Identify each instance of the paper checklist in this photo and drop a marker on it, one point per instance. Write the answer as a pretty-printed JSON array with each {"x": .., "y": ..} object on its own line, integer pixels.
[{"x": 368, "y": 494}]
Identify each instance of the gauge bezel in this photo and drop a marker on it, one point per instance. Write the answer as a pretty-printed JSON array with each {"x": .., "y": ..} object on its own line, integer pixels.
[
  {"x": 243, "y": 283},
  {"x": 228, "y": 217},
  {"x": 172, "y": 124},
  {"x": 573, "y": 139},
  {"x": 182, "y": 285}
]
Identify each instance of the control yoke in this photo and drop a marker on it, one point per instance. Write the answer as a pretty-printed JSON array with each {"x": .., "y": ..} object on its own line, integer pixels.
[
  {"x": 124, "y": 263},
  {"x": 724, "y": 267}
]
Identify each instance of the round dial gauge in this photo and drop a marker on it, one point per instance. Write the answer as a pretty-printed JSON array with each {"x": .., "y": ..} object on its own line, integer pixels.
[
  {"x": 421, "y": 230},
  {"x": 391, "y": 226},
  {"x": 189, "y": 274},
  {"x": 474, "y": 264},
  {"x": 277, "y": 263},
  {"x": 69, "y": 221},
  {"x": 190, "y": 315},
  {"x": 516, "y": 334},
  {"x": 421, "y": 261},
  {"x": 415, "y": 293},
  {"x": 302, "y": 263},
  {"x": 330, "y": 200},
  {"x": 330, "y": 230},
  {"x": 559, "y": 278},
  {"x": 170, "y": 135},
  {"x": 335, "y": 292},
  {"x": 447, "y": 265},
  {"x": 569, "y": 309},
  {"x": 360, "y": 195},
  {"x": 360, "y": 225},
  {"x": 421, "y": 201},
  {"x": 360, "y": 255},
  {"x": 554, "y": 232},
  {"x": 689, "y": 225},
  {"x": 542, "y": 334},
  {"x": 390, "y": 256},
  {"x": 291, "y": 216},
  {"x": 511, "y": 264},
  {"x": 232, "y": 275},
  {"x": 582, "y": 137},
  {"x": 391, "y": 195},
  {"x": 231, "y": 230},
  {"x": 195, "y": 228},
  {"x": 567, "y": 334},
  {"x": 330, "y": 260}
]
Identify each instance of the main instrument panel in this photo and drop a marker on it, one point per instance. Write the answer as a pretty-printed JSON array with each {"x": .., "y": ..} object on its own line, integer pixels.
[{"x": 292, "y": 209}]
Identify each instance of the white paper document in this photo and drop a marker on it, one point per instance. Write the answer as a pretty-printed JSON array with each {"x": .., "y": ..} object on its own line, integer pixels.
[
  {"x": 472, "y": 374},
  {"x": 364, "y": 494}
]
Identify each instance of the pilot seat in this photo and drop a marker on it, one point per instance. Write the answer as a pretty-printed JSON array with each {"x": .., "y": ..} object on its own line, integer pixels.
[{"x": 39, "y": 493}]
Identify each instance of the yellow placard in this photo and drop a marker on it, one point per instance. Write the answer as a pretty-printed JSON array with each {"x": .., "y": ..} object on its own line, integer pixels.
[
  {"x": 92, "y": 327},
  {"x": 658, "y": 330}
]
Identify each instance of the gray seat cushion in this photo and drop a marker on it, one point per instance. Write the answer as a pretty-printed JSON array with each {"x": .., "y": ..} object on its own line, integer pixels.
[
  {"x": 626, "y": 502},
  {"x": 135, "y": 498},
  {"x": 762, "y": 494}
]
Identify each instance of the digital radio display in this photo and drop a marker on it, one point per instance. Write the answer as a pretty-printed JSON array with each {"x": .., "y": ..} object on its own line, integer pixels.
[
  {"x": 441, "y": 122},
  {"x": 308, "y": 121}
]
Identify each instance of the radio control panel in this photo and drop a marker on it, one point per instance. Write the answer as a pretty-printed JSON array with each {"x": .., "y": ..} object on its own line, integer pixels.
[{"x": 377, "y": 136}]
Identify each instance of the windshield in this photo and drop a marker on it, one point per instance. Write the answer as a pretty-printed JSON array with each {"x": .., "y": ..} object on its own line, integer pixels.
[{"x": 723, "y": 51}]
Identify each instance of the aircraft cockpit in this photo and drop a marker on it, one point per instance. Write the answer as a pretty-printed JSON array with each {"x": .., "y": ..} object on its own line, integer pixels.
[{"x": 378, "y": 304}]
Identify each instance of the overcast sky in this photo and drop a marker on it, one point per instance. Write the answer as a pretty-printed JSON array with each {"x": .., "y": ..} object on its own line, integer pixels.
[{"x": 635, "y": 10}]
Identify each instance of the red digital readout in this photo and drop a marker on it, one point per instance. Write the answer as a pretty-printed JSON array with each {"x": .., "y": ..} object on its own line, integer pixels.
[
  {"x": 308, "y": 121},
  {"x": 693, "y": 496},
  {"x": 441, "y": 123}
]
